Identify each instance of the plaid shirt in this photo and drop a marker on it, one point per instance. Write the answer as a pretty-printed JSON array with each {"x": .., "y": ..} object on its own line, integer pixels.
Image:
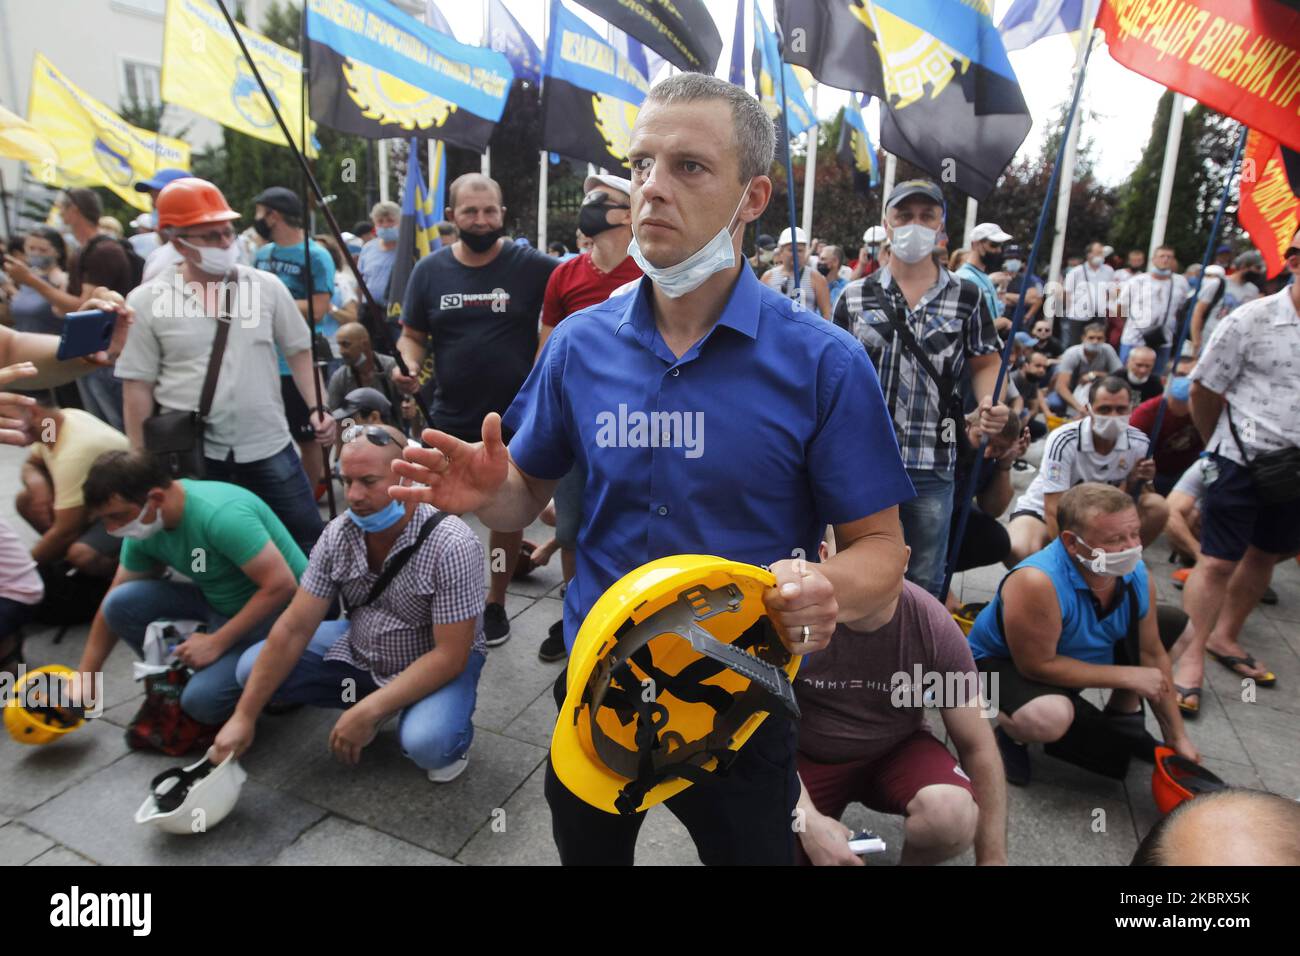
[
  {"x": 442, "y": 583},
  {"x": 950, "y": 322}
]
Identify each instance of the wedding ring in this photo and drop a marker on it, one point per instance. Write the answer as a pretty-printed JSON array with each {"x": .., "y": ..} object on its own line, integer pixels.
[{"x": 806, "y": 635}]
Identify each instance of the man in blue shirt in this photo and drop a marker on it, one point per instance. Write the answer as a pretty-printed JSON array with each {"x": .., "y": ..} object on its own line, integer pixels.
[
  {"x": 1080, "y": 613},
  {"x": 278, "y": 217},
  {"x": 780, "y": 430},
  {"x": 985, "y": 259}
]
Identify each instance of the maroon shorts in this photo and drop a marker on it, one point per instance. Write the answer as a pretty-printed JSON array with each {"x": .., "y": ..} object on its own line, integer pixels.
[{"x": 886, "y": 784}]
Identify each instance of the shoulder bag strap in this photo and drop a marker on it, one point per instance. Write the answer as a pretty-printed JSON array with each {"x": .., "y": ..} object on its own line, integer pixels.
[
  {"x": 399, "y": 560},
  {"x": 218, "y": 350}
]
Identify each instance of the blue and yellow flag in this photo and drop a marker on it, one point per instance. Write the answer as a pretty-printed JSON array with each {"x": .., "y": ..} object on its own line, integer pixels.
[
  {"x": 507, "y": 36},
  {"x": 421, "y": 208},
  {"x": 591, "y": 93},
  {"x": 95, "y": 146},
  {"x": 204, "y": 71},
  {"x": 856, "y": 149},
  {"x": 951, "y": 102},
  {"x": 377, "y": 72},
  {"x": 799, "y": 116}
]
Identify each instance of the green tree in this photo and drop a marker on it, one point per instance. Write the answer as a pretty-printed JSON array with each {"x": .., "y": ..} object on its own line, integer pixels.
[{"x": 1204, "y": 154}]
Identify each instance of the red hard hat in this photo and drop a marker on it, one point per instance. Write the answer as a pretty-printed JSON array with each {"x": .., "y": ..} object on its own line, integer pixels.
[
  {"x": 1176, "y": 779},
  {"x": 192, "y": 202}
]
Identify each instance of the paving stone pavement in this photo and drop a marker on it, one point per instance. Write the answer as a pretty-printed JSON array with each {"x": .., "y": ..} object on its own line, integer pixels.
[{"x": 72, "y": 803}]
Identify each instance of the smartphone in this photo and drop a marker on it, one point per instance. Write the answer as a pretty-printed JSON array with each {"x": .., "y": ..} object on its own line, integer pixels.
[
  {"x": 865, "y": 842},
  {"x": 85, "y": 333}
]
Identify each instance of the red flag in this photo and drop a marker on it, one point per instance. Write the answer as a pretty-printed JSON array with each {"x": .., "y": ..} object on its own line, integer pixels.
[
  {"x": 1242, "y": 59},
  {"x": 1269, "y": 209}
]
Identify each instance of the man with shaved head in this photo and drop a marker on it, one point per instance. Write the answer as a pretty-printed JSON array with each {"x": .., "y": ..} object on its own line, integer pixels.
[
  {"x": 411, "y": 578},
  {"x": 362, "y": 367},
  {"x": 1227, "y": 828},
  {"x": 475, "y": 305}
]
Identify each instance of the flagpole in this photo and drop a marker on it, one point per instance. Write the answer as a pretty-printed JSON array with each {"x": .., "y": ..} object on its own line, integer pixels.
[
  {"x": 891, "y": 170},
  {"x": 1167, "y": 175},
  {"x": 485, "y": 161},
  {"x": 543, "y": 170},
  {"x": 779, "y": 66},
  {"x": 972, "y": 481},
  {"x": 1184, "y": 324},
  {"x": 370, "y": 303},
  {"x": 317, "y": 367},
  {"x": 810, "y": 168},
  {"x": 1071, "y": 151},
  {"x": 382, "y": 148},
  {"x": 972, "y": 213}
]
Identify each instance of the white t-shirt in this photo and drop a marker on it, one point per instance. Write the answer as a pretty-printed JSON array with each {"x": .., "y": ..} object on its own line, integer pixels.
[
  {"x": 1070, "y": 459},
  {"x": 1090, "y": 291},
  {"x": 1236, "y": 293}
]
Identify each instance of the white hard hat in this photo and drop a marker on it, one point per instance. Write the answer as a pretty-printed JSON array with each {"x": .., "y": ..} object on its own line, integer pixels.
[
  {"x": 874, "y": 234},
  {"x": 784, "y": 238},
  {"x": 990, "y": 231},
  {"x": 192, "y": 799}
]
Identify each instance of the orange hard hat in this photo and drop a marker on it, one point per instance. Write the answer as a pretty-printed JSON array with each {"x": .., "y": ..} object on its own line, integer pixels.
[
  {"x": 1176, "y": 779},
  {"x": 192, "y": 202}
]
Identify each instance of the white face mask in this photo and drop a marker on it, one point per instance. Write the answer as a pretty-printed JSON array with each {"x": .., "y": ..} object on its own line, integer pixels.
[
  {"x": 913, "y": 242},
  {"x": 1109, "y": 427},
  {"x": 1096, "y": 262},
  {"x": 1138, "y": 381},
  {"x": 214, "y": 261},
  {"x": 1112, "y": 564},
  {"x": 138, "y": 530},
  {"x": 716, "y": 255}
]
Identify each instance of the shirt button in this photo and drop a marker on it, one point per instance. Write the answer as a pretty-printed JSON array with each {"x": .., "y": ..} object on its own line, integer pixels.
[
  {"x": 663, "y": 510},
  {"x": 676, "y": 372}
]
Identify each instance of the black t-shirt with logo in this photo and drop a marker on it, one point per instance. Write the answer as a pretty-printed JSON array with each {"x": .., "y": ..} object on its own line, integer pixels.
[{"x": 482, "y": 328}]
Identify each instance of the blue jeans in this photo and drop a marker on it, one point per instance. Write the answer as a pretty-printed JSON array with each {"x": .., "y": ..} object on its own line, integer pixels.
[
  {"x": 211, "y": 694},
  {"x": 433, "y": 732},
  {"x": 282, "y": 484},
  {"x": 101, "y": 394},
  {"x": 1162, "y": 357},
  {"x": 926, "y": 520}
]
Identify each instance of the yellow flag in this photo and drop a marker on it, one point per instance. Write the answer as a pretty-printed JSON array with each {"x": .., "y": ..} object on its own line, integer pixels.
[
  {"x": 95, "y": 146},
  {"x": 19, "y": 139},
  {"x": 204, "y": 70}
]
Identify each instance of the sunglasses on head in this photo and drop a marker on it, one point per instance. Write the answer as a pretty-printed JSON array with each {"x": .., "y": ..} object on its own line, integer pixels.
[
  {"x": 600, "y": 197},
  {"x": 1292, "y": 251},
  {"x": 375, "y": 434}
]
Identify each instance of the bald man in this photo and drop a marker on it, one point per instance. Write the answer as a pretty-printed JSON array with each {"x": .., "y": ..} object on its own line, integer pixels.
[
  {"x": 362, "y": 367},
  {"x": 411, "y": 578},
  {"x": 1226, "y": 828},
  {"x": 475, "y": 305}
]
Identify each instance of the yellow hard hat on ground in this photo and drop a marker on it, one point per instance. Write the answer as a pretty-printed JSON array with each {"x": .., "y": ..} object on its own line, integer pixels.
[
  {"x": 39, "y": 712},
  {"x": 674, "y": 668}
]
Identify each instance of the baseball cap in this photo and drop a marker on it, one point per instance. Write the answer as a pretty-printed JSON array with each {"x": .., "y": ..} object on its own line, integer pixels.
[
  {"x": 363, "y": 401},
  {"x": 281, "y": 199},
  {"x": 765, "y": 242},
  {"x": 596, "y": 180},
  {"x": 915, "y": 187},
  {"x": 161, "y": 179},
  {"x": 1251, "y": 259},
  {"x": 990, "y": 231}
]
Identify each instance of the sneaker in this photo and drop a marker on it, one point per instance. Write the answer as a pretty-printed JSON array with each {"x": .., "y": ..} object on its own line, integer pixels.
[
  {"x": 496, "y": 626},
  {"x": 1270, "y": 596},
  {"x": 1015, "y": 758},
  {"x": 553, "y": 648},
  {"x": 450, "y": 772}
]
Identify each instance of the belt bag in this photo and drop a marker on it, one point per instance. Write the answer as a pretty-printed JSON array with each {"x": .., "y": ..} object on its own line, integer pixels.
[
  {"x": 176, "y": 437},
  {"x": 1275, "y": 474}
]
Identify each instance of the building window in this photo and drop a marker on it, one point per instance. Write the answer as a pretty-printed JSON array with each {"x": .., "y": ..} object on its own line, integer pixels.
[{"x": 140, "y": 83}]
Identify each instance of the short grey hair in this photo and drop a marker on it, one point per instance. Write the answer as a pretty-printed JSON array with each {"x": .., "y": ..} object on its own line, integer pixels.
[
  {"x": 386, "y": 208},
  {"x": 755, "y": 131}
]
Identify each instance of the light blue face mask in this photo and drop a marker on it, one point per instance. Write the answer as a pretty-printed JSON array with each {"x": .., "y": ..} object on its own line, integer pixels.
[
  {"x": 1161, "y": 272},
  {"x": 381, "y": 520},
  {"x": 1180, "y": 388},
  {"x": 717, "y": 255},
  {"x": 388, "y": 233}
]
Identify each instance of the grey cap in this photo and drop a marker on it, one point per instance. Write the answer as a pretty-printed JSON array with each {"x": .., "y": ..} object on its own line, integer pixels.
[
  {"x": 915, "y": 187},
  {"x": 363, "y": 401}
]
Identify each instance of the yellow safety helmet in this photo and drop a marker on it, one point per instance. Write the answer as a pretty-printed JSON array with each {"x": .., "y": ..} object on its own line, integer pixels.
[
  {"x": 33, "y": 715},
  {"x": 674, "y": 668}
]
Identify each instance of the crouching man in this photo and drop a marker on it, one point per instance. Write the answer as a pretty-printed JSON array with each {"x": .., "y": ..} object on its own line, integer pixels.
[
  {"x": 1080, "y": 613},
  {"x": 863, "y": 737},
  {"x": 411, "y": 579}
]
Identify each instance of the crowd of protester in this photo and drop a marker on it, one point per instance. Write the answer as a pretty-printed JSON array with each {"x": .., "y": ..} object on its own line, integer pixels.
[{"x": 307, "y": 388}]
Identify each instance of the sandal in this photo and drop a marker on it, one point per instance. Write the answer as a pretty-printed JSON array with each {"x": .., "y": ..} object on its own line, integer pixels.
[
  {"x": 1232, "y": 663},
  {"x": 1186, "y": 694}
]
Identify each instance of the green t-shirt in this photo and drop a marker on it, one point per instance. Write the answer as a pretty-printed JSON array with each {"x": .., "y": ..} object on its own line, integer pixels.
[{"x": 223, "y": 527}]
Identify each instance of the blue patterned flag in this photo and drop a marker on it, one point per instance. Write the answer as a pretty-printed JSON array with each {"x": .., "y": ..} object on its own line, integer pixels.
[{"x": 507, "y": 36}]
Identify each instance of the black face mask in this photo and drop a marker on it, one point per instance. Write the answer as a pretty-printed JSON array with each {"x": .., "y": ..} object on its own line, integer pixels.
[
  {"x": 592, "y": 219},
  {"x": 481, "y": 241},
  {"x": 824, "y": 268},
  {"x": 992, "y": 261},
  {"x": 262, "y": 228},
  {"x": 1254, "y": 278}
]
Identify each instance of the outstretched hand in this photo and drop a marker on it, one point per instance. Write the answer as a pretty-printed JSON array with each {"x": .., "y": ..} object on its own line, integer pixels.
[{"x": 458, "y": 476}]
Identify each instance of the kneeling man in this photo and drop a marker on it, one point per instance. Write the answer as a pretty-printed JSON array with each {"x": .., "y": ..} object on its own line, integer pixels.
[
  {"x": 411, "y": 580},
  {"x": 1080, "y": 613}
]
